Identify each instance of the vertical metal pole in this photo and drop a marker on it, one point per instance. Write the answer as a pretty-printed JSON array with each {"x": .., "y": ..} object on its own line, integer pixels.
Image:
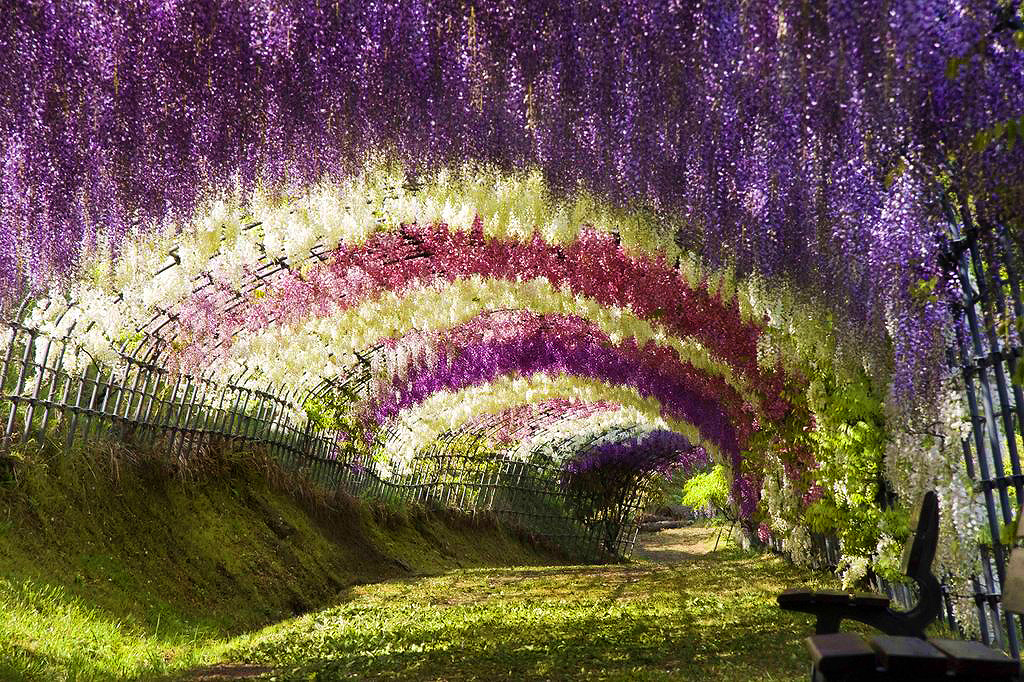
[
  {"x": 975, "y": 361},
  {"x": 90, "y": 406},
  {"x": 73, "y": 422},
  {"x": 40, "y": 377},
  {"x": 59, "y": 375},
  {"x": 16, "y": 328},
  {"x": 20, "y": 384}
]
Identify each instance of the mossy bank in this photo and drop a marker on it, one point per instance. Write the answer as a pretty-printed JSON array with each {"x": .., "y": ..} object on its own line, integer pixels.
[{"x": 116, "y": 564}]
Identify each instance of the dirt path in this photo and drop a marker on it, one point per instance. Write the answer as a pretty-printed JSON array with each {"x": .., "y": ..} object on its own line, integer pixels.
[{"x": 676, "y": 545}]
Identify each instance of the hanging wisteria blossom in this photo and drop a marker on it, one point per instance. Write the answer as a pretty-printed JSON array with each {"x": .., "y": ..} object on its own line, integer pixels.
[
  {"x": 618, "y": 237},
  {"x": 773, "y": 129}
]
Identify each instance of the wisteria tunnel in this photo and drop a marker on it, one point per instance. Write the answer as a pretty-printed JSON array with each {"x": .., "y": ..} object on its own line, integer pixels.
[{"x": 530, "y": 258}]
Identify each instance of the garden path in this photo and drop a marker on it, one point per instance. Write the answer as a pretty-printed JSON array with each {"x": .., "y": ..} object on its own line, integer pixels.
[{"x": 675, "y": 545}]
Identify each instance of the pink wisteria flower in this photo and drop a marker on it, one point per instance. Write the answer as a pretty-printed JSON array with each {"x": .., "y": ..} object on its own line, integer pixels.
[{"x": 594, "y": 266}]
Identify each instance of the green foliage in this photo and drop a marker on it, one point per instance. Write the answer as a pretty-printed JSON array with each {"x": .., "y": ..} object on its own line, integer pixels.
[
  {"x": 1018, "y": 375},
  {"x": 849, "y": 444},
  {"x": 923, "y": 291},
  {"x": 331, "y": 410},
  {"x": 821, "y": 516},
  {"x": 894, "y": 173},
  {"x": 708, "y": 488},
  {"x": 1009, "y": 132},
  {"x": 834, "y": 448}
]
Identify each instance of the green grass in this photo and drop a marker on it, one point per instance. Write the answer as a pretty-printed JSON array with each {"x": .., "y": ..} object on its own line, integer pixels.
[
  {"x": 114, "y": 565},
  {"x": 711, "y": 617}
]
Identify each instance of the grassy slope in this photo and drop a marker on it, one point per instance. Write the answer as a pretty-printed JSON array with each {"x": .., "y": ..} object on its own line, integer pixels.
[
  {"x": 711, "y": 617},
  {"x": 112, "y": 566}
]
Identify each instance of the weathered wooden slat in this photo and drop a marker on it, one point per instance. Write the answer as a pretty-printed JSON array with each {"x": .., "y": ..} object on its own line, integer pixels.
[
  {"x": 795, "y": 597},
  {"x": 909, "y": 656},
  {"x": 974, "y": 659},
  {"x": 841, "y": 652}
]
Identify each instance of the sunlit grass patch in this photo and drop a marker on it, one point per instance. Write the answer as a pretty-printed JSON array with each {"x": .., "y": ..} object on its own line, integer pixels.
[
  {"x": 114, "y": 569},
  {"x": 712, "y": 618},
  {"x": 47, "y": 634}
]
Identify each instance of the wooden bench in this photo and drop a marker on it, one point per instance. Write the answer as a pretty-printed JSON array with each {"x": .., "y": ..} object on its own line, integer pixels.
[
  {"x": 832, "y": 607},
  {"x": 842, "y": 656},
  {"x": 849, "y": 657}
]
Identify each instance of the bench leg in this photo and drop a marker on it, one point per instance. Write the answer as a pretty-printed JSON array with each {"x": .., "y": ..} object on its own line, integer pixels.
[
  {"x": 827, "y": 624},
  {"x": 816, "y": 675}
]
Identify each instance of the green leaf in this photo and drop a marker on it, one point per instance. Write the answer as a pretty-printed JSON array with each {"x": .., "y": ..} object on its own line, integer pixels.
[
  {"x": 893, "y": 175},
  {"x": 981, "y": 141},
  {"x": 952, "y": 68}
]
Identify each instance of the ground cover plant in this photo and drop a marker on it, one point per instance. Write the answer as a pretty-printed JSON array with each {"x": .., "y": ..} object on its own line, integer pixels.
[
  {"x": 687, "y": 614},
  {"x": 116, "y": 565}
]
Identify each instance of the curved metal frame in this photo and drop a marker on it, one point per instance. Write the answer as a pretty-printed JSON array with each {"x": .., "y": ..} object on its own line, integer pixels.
[{"x": 141, "y": 395}]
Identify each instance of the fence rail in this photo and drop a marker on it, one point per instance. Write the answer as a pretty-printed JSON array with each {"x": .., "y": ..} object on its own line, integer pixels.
[
  {"x": 987, "y": 265},
  {"x": 50, "y": 388}
]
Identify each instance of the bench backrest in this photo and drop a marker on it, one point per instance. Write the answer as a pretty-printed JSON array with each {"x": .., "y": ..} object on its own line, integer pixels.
[{"x": 919, "y": 552}]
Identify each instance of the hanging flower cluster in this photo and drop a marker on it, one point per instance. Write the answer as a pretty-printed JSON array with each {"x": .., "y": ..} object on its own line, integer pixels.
[
  {"x": 121, "y": 114},
  {"x": 594, "y": 267},
  {"x": 524, "y": 344},
  {"x": 419, "y": 426},
  {"x": 657, "y": 450},
  {"x": 223, "y": 241}
]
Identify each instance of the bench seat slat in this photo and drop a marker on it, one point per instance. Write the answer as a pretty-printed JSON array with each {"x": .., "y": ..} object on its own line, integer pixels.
[
  {"x": 976, "y": 659},
  {"x": 909, "y": 655},
  {"x": 841, "y": 652},
  {"x": 795, "y": 597}
]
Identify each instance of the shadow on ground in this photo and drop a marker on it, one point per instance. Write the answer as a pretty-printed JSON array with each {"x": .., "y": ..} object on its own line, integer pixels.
[{"x": 682, "y": 612}]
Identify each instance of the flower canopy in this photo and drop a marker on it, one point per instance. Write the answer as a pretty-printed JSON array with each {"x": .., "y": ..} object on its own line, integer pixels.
[{"x": 720, "y": 222}]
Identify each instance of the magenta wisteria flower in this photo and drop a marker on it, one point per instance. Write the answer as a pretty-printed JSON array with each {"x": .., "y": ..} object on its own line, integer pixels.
[
  {"x": 503, "y": 336},
  {"x": 524, "y": 344},
  {"x": 657, "y": 450}
]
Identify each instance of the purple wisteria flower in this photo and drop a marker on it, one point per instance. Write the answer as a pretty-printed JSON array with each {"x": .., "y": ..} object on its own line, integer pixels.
[{"x": 799, "y": 141}]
